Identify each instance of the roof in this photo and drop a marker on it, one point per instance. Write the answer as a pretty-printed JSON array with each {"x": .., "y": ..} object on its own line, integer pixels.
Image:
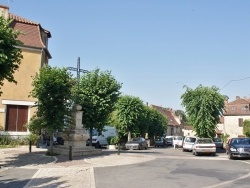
[
  {"x": 172, "y": 118},
  {"x": 239, "y": 101},
  {"x": 30, "y": 31},
  {"x": 238, "y": 107}
]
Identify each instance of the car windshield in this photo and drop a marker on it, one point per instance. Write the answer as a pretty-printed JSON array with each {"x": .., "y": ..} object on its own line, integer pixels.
[
  {"x": 204, "y": 141},
  {"x": 241, "y": 141},
  {"x": 135, "y": 139},
  {"x": 217, "y": 140},
  {"x": 190, "y": 139},
  {"x": 178, "y": 138},
  {"x": 158, "y": 139}
]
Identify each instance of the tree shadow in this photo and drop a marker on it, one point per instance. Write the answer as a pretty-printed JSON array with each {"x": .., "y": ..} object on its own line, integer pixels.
[
  {"x": 36, "y": 182},
  {"x": 20, "y": 159}
]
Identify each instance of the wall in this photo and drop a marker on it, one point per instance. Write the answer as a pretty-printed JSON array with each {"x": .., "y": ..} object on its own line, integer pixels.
[
  {"x": 231, "y": 125},
  {"x": 30, "y": 64}
]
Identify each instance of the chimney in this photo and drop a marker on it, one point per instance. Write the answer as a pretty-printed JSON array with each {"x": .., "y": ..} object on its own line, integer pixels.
[
  {"x": 237, "y": 97},
  {"x": 4, "y": 11}
]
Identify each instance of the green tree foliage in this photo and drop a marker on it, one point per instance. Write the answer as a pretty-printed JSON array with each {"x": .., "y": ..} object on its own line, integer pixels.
[
  {"x": 143, "y": 124},
  {"x": 52, "y": 88},
  {"x": 128, "y": 114},
  {"x": 10, "y": 55},
  {"x": 181, "y": 114},
  {"x": 99, "y": 91},
  {"x": 246, "y": 128},
  {"x": 157, "y": 123},
  {"x": 204, "y": 106}
]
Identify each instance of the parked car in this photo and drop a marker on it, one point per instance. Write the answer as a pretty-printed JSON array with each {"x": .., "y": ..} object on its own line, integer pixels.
[
  {"x": 160, "y": 142},
  {"x": 238, "y": 148},
  {"x": 188, "y": 143},
  {"x": 100, "y": 140},
  {"x": 218, "y": 142},
  {"x": 177, "y": 141},
  {"x": 204, "y": 146},
  {"x": 137, "y": 143},
  {"x": 169, "y": 140}
]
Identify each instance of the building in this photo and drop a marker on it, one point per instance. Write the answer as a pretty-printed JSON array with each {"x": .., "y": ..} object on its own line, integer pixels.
[
  {"x": 174, "y": 127},
  {"x": 15, "y": 103},
  {"x": 235, "y": 113}
]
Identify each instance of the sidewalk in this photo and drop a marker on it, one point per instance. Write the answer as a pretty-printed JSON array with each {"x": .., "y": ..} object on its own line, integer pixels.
[{"x": 59, "y": 171}]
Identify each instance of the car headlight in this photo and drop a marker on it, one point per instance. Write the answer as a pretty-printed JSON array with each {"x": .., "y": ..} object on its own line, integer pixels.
[{"x": 233, "y": 149}]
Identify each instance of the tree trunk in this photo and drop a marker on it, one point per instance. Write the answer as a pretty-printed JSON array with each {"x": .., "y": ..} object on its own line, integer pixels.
[
  {"x": 129, "y": 135},
  {"x": 51, "y": 143},
  {"x": 90, "y": 136}
]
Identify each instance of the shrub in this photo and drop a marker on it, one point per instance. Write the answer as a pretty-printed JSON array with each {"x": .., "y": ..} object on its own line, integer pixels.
[
  {"x": 33, "y": 138},
  {"x": 113, "y": 140},
  {"x": 5, "y": 139}
]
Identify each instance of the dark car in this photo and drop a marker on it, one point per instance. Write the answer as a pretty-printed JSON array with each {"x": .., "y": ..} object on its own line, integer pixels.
[
  {"x": 238, "y": 148},
  {"x": 169, "y": 140},
  {"x": 218, "y": 142},
  {"x": 160, "y": 142}
]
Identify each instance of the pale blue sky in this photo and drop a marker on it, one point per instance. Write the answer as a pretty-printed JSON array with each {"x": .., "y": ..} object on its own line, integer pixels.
[{"x": 153, "y": 47}]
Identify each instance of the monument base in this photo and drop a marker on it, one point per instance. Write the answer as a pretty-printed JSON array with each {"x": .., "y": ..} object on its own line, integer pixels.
[{"x": 76, "y": 151}]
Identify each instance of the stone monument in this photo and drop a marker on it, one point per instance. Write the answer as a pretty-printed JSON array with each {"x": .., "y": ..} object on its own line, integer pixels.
[{"x": 75, "y": 137}]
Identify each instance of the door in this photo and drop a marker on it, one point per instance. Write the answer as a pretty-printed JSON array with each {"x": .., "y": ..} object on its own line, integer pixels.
[{"x": 17, "y": 117}]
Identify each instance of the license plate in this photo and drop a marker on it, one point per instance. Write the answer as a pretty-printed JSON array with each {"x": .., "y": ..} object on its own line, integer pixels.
[{"x": 205, "y": 150}]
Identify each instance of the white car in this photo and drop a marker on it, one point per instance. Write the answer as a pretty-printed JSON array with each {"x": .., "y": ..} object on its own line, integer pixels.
[
  {"x": 177, "y": 141},
  {"x": 204, "y": 145},
  {"x": 188, "y": 143}
]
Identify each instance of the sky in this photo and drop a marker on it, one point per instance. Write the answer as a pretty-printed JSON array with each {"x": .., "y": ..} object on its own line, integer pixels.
[{"x": 152, "y": 47}]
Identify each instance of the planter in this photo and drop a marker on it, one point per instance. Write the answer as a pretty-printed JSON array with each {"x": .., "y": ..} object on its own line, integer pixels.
[{"x": 111, "y": 146}]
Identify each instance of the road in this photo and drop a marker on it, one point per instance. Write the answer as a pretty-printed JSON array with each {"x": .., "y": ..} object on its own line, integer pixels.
[
  {"x": 164, "y": 167},
  {"x": 176, "y": 169}
]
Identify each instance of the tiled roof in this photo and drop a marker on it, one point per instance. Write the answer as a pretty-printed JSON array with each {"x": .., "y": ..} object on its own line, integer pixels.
[
  {"x": 168, "y": 113},
  {"x": 239, "y": 101},
  {"x": 21, "y": 20},
  {"x": 240, "y": 106},
  {"x": 30, "y": 31}
]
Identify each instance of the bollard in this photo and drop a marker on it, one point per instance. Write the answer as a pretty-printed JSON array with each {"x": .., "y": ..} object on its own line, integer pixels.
[
  {"x": 30, "y": 146},
  {"x": 70, "y": 153},
  {"x": 119, "y": 148}
]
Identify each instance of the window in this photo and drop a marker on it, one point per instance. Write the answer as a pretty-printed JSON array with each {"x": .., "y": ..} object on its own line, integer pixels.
[
  {"x": 244, "y": 108},
  {"x": 240, "y": 122},
  {"x": 233, "y": 108}
]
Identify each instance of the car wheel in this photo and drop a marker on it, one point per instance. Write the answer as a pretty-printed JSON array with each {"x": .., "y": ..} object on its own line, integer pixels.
[
  {"x": 195, "y": 153},
  {"x": 183, "y": 150},
  {"x": 229, "y": 155},
  {"x": 97, "y": 145}
]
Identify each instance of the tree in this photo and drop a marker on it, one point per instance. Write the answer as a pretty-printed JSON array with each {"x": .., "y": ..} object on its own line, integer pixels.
[
  {"x": 128, "y": 114},
  {"x": 204, "y": 107},
  {"x": 52, "y": 88},
  {"x": 246, "y": 128},
  {"x": 98, "y": 93},
  {"x": 181, "y": 114},
  {"x": 10, "y": 55},
  {"x": 157, "y": 123}
]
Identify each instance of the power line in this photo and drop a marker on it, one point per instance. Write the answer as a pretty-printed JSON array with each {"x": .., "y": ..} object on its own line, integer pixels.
[{"x": 234, "y": 81}]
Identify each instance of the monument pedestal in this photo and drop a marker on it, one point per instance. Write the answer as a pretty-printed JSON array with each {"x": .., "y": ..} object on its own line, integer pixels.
[{"x": 76, "y": 138}]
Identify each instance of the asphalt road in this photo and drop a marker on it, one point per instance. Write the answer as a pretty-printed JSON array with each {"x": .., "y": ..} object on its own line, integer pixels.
[
  {"x": 176, "y": 169},
  {"x": 15, "y": 177},
  {"x": 169, "y": 168}
]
